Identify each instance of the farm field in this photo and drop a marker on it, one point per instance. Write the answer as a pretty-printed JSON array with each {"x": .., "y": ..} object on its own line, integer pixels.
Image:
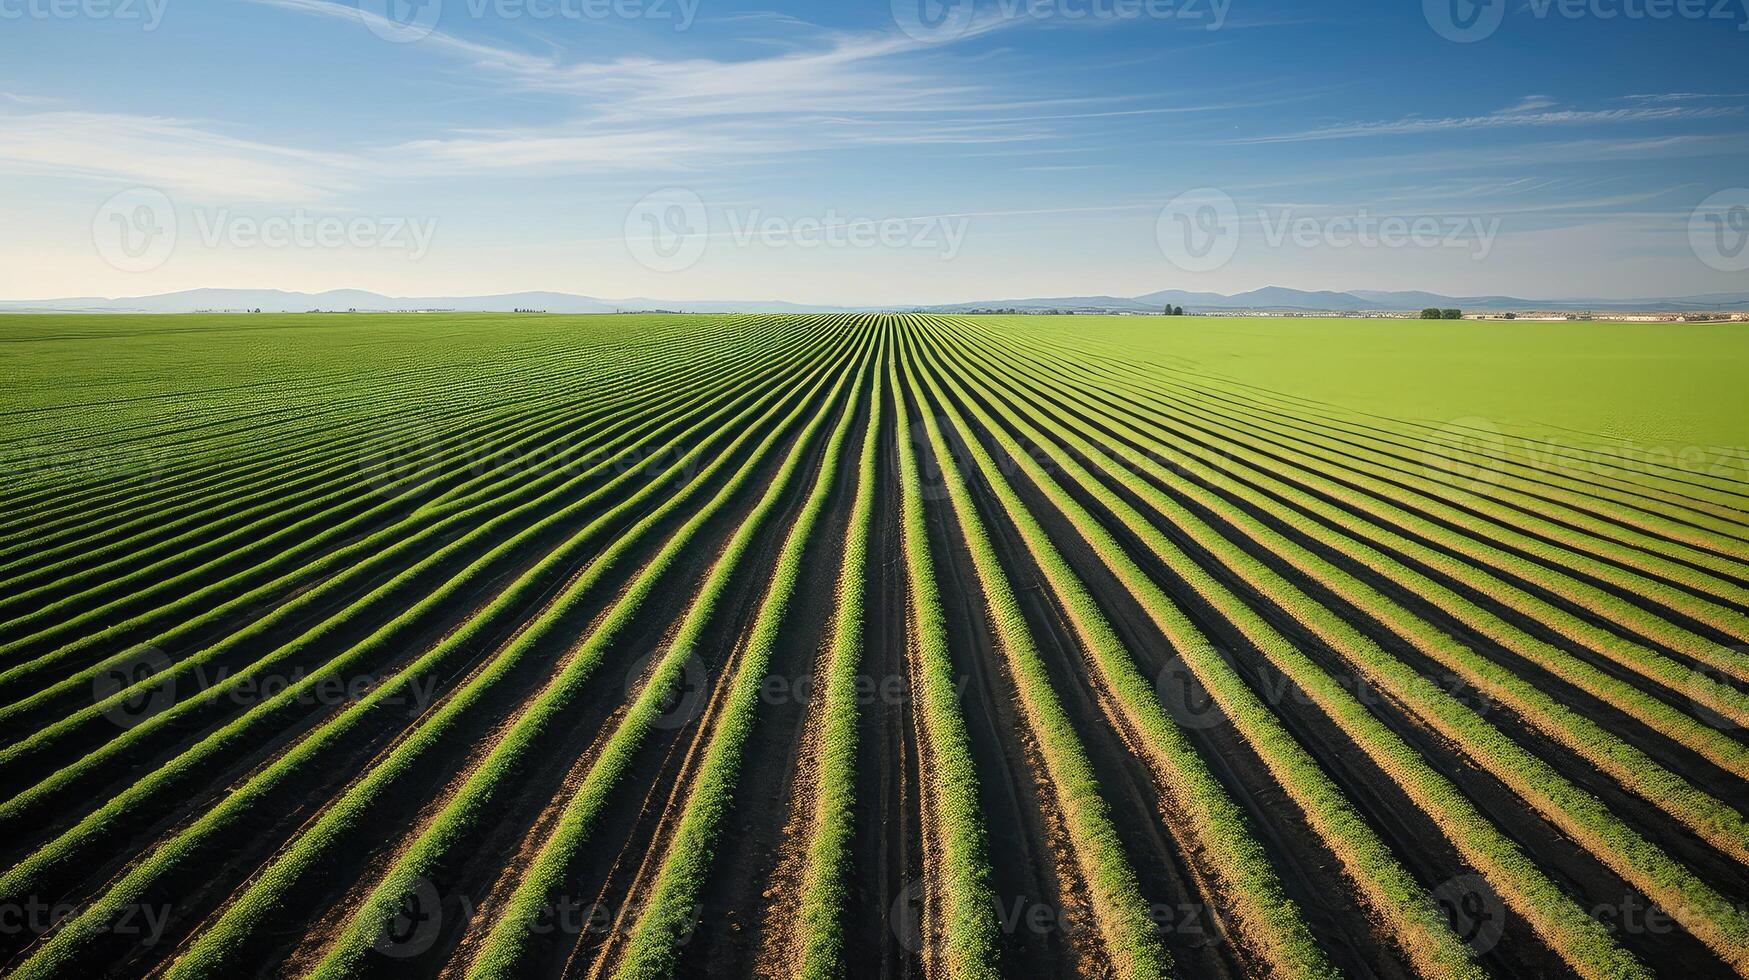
[{"x": 872, "y": 646}]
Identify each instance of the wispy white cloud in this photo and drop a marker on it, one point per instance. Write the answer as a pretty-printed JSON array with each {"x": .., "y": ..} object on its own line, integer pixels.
[
  {"x": 1521, "y": 115},
  {"x": 1531, "y": 103},
  {"x": 822, "y": 89},
  {"x": 1666, "y": 97},
  {"x": 168, "y": 153}
]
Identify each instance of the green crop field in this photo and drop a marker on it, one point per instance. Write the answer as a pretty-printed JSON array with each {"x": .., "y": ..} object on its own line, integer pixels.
[{"x": 872, "y": 645}]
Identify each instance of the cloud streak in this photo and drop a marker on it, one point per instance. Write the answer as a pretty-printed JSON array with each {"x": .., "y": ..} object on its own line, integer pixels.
[
  {"x": 169, "y": 153},
  {"x": 1533, "y": 112}
]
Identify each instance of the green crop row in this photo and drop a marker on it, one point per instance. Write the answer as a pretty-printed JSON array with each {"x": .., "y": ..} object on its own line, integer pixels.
[
  {"x": 1491, "y": 493},
  {"x": 667, "y": 915},
  {"x": 1492, "y": 538},
  {"x": 1130, "y": 937},
  {"x": 1641, "y": 565},
  {"x": 831, "y": 822},
  {"x": 1305, "y": 490},
  {"x": 160, "y": 787},
  {"x": 217, "y": 951},
  {"x": 1268, "y": 919},
  {"x": 491, "y": 492},
  {"x": 1396, "y": 510},
  {"x": 1711, "y": 819},
  {"x": 1582, "y": 941},
  {"x": 451, "y": 828},
  {"x": 422, "y": 583},
  {"x": 959, "y": 927}
]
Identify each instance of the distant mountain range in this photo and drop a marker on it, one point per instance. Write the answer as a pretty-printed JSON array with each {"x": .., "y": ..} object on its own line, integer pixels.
[{"x": 1268, "y": 299}]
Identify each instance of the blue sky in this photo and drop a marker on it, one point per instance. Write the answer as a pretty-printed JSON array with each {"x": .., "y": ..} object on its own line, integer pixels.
[{"x": 1011, "y": 149}]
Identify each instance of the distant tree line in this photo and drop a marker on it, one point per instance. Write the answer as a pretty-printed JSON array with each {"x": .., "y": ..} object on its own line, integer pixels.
[{"x": 1435, "y": 314}]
